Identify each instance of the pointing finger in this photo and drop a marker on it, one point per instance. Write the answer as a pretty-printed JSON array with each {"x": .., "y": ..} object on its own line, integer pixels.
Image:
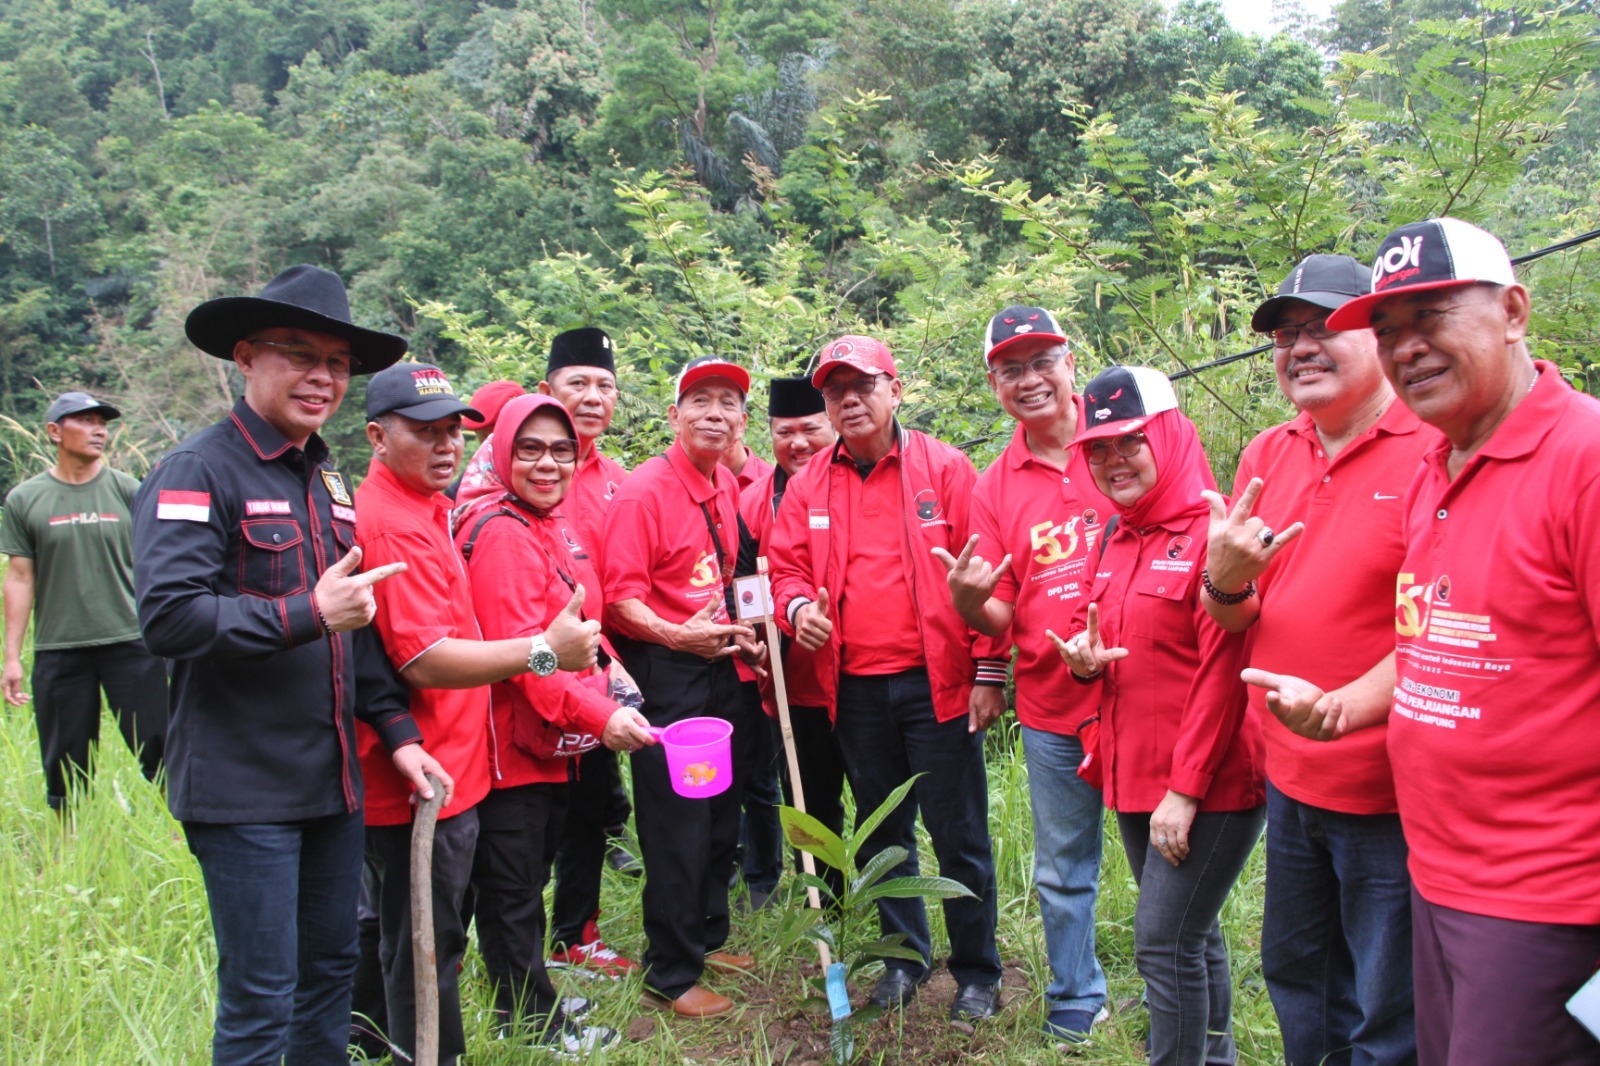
[
  {"x": 966, "y": 553},
  {"x": 372, "y": 577}
]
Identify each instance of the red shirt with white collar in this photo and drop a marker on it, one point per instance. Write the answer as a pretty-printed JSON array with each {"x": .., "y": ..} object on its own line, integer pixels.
[
  {"x": 658, "y": 548},
  {"x": 1324, "y": 600},
  {"x": 1495, "y": 731},
  {"x": 430, "y": 602},
  {"x": 1050, "y": 521},
  {"x": 1173, "y": 713}
]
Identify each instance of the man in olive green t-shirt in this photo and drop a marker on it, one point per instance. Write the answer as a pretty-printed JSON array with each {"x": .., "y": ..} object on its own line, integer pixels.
[{"x": 69, "y": 533}]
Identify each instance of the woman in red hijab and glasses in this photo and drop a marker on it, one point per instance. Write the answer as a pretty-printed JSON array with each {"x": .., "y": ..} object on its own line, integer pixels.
[
  {"x": 525, "y": 566},
  {"x": 1181, "y": 760}
]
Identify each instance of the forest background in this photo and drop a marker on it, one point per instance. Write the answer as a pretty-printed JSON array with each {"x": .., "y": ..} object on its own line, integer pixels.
[
  {"x": 744, "y": 177},
  {"x": 751, "y": 177}
]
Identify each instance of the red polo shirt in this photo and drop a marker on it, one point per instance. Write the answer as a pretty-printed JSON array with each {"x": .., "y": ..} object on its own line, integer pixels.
[
  {"x": 1495, "y": 732},
  {"x": 658, "y": 548},
  {"x": 1174, "y": 712},
  {"x": 430, "y": 602},
  {"x": 755, "y": 469},
  {"x": 1050, "y": 520},
  {"x": 878, "y": 628},
  {"x": 1324, "y": 601},
  {"x": 594, "y": 485},
  {"x": 516, "y": 572}
]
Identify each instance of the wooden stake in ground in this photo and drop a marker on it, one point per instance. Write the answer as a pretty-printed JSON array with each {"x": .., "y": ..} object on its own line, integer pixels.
[
  {"x": 775, "y": 657},
  {"x": 424, "y": 956}
]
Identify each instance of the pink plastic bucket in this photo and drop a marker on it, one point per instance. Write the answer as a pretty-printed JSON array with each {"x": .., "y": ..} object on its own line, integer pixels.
[{"x": 699, "y": 756}]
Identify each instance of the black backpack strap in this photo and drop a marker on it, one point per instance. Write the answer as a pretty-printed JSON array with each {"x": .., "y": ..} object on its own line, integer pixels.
[
  {"x": 472, "y": 538},
  {"x": 1111, "y": 527}
]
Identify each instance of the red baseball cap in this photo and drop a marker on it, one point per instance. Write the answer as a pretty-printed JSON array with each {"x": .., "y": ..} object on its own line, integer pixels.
[
  {"x": 712, "y": 366},
  {"x": 488, "y": 400},
  {"x": 862, "y": 353}
]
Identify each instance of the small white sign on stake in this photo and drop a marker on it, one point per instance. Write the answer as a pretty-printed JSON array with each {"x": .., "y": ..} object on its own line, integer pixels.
[{"x": 752, "y": 594}]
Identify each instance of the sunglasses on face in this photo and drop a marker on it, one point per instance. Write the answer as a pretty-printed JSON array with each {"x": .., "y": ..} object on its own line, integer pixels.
[
  {"x": 532, "y": 449},
  {"x": 1099, "y": 451}
]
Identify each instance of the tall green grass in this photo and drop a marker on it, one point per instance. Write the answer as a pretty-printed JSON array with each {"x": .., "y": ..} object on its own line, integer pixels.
[{"x": 106, "y": 954}]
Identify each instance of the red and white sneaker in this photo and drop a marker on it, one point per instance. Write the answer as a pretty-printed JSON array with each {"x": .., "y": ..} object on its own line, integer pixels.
[{"x": 593, "y": 955}]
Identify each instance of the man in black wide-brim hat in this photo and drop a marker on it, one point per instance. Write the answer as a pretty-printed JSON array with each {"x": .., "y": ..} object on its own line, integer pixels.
[{"x": 246, "y": 576}]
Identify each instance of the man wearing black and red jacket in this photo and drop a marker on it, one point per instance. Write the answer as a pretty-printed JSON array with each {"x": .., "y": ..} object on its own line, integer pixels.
[
  {"x": 855, "y": 580},
  {"x": 245, "y": 577}
]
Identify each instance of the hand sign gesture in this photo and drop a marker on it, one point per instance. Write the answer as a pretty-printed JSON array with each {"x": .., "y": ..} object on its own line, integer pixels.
[
  {"x": 972, "y": 580},
  {"x": 1238, "y": 546},
  {"x": 1086, "y": 654},
  {"x": 1301, "y": 706},
  {"x": 707, "y": 639},
  {"x": 345, "y": 597},
  {"x": 575, "y": 641},
  {"x": 812, "y": 626}
]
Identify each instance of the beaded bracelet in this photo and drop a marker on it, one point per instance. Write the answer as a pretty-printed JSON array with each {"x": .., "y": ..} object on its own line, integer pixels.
[{"x": 1226, "y": 599}]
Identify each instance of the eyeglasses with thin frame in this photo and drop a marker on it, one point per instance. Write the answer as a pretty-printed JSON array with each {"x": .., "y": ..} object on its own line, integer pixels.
[
  {"x": 836, "y": 391},
  {"x": 1098, "y": 451},
  {"x": 1011, "y": 373},
  {"x": 531, "y": 449},
  {"x": 306, "y": 359},
  {"x": 1317, "y": 329}
]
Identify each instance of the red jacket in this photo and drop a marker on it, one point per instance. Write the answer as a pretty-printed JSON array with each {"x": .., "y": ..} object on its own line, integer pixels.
[
  {"x": 517, "y": 587},
  {"x": 1173, "y": 713},
  {"x": 808, "y": 546}
]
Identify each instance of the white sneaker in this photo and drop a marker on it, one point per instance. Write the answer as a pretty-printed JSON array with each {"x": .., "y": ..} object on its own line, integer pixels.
[{"x": 575, "y": 1040}]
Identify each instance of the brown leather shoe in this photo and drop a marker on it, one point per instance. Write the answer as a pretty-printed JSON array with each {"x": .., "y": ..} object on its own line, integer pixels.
[
  {"x": 698, "y": 1002},
  {"x": 728, "y": 962}
]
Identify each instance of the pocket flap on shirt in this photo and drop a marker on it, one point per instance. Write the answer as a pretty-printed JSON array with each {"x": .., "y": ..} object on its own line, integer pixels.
[{"x": 272, "y": 535}]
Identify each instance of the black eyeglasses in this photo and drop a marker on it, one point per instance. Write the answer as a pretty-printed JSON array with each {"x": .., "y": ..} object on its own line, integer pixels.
[
  {"x": 834, "y": 392},
  {"x": 1099, "y": 450},
  {"x": 1011, "y": 373},
  {"x": 306, "y": 359},
  {"x": 1317, "y": 329},
  {"x": 532, "y": 449}
]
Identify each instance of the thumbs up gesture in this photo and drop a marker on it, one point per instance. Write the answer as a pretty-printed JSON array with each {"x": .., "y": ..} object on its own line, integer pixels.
[
  {"x": 812, "y": 626},
  {"x": 575, "y": 641},
  {"x": 345, "y": 597}
]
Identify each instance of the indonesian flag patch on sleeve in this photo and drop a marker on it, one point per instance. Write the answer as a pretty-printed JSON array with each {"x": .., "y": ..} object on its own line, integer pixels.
[{"x": 181, "y": 506}]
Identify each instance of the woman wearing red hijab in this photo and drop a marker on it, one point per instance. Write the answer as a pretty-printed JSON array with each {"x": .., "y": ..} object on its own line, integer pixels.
[
  {"x": 525, "y": 564},
  {"x": 1182, "y": 762}
]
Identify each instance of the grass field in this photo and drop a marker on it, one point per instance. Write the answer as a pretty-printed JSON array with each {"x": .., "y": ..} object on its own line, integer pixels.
[{"x": 106, "y": 954}]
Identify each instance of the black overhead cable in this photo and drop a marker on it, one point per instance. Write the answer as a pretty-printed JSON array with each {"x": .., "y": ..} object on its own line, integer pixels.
[{"x": 1560, "y": 246}]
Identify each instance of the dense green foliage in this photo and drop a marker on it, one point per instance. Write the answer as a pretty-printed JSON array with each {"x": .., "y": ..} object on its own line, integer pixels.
[{"x": 749, "y": 177}]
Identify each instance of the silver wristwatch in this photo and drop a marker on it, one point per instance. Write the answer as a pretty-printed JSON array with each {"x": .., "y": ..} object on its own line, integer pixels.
[{"x": 541, "y": 658}]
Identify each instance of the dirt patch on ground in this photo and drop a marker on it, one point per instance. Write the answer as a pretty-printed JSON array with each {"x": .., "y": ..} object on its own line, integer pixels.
[{"x": 772, "y": 1025}]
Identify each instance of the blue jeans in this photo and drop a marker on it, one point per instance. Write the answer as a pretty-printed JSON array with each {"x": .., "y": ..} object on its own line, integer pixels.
[
  {"x": 1177, "y": 937},
  {"x": 1066, "y": 867},
  {"x": 283, "y": 908},
  {"x": 1336, "y": 935},
  {"x": 887, "y": 732}
]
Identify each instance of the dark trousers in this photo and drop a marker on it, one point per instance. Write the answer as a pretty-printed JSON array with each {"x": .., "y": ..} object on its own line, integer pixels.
[
  {"x": 822, "y": 777},
  {"x": 517, "y": 833},
  {"x": 1177, "y": 939},
  {"x": 66, "y": 705},
  {"x": 1336, "y": 935},
  {"x": 1492, "y": 991},
  {"x": 283, "y": 909},
  {"x": 687, "y": 844},
  {"x": 389, "y": 851},
  {"x": 597, "y": 809},
  {"x": 888, "y": 732},
  {"x": 760, "y": 832}
]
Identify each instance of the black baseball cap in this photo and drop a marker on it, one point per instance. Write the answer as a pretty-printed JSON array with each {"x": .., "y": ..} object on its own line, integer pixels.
[
  {"x": 1017, "y": 326},
  {"x": 420, "y": 391},
  {"x": 78, "y": 403},
  {"x": 1329, "y": 281},
  {"x": 1121, "y": 399},
  {"x": 1441, "y": 253}
]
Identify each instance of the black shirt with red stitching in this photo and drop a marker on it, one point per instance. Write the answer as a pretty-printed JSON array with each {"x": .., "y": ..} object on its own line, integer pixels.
[{"x": 231, "y": 532}]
